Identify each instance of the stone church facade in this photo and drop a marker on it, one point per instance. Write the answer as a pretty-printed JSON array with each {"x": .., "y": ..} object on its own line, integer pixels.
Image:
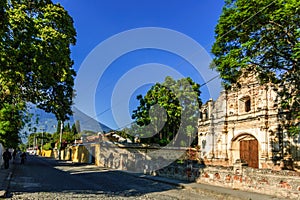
[{"x": 244, "y": 126}]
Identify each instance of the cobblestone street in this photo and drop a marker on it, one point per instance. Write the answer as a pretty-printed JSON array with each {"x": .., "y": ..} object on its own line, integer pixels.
[
  {"x": 170, "y": 195},
  {"x": 42, "y": 178}
]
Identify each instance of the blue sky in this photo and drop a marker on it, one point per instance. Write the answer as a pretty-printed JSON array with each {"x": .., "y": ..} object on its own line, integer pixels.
[{"x": 97, "y": 21}]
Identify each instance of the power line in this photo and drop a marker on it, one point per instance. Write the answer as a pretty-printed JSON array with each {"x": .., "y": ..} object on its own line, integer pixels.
[
  {"x": 209, "y": 80},
  {"x": 110, "y": 108}
]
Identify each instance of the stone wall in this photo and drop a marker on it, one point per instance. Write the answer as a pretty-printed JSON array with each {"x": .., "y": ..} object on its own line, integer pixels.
[
  {"x": 280, "y": 183},
  {"x": 284, "y": 184},
  {"x": 79, "y": 154},
  {"x": 186, "y": 170},
  {"x": 47, "y": 153},
  {"x": 135, "y": 157}
]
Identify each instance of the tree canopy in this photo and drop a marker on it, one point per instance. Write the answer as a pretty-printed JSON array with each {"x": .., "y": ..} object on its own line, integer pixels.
[
  {"x": 49, "y": 140},
  {"x": 168, "y": 111},
  {"x": 266, "y": 35},
  {"x": 35, "y": 63}
]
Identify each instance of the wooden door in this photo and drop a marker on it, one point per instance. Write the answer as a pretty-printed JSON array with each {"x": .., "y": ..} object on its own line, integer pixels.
[{"x": 249, "y": 152}]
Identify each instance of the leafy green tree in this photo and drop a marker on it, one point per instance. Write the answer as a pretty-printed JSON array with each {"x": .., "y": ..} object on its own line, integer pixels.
[
  {"x": 37, "y": 54},
  {"x": 47, "y": 146},
  {"x": 77, "y": 126},
  {"x": 39, "y": 138},
  {"x": 68, "y": 134},
  {"x": 168, "y": 111},
  {"x": 35, "y": 63},
  {"x": 124, "y": 133},
  {"x": 74, "y": 129},
  {"x": 22, "y": 147},
  {"x": 11, "y": 121},
  {"x": 264, "y": 35},
  {"x": 67, "y": 127}
]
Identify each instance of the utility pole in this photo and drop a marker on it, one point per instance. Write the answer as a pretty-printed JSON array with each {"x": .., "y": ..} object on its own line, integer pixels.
[
  {"x": 42, "y": 140},
  {"x": 60, "y": 139},
  {"x": 33, "y": 142}
]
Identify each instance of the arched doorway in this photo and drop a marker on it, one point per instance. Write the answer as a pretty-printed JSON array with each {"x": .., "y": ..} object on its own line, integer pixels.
[{"x": 247, "y": 146}]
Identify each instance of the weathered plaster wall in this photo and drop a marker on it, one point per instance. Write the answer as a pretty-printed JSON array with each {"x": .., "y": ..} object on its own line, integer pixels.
[{"x": 248, "y": 109}]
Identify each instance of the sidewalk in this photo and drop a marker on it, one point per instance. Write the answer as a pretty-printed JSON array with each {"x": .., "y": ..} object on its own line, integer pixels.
[{"x": 5, "y": 177}]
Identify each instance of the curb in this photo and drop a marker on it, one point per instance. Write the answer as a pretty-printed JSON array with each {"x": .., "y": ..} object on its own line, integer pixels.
[
  {"x": 154, "y": 178},
  {"x": 157, "y": 178},
  {"x": 4, "y": 192}
]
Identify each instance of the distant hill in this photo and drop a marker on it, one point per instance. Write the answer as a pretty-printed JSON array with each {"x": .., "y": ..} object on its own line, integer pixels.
[
  {"x": 89, "y": 123},
  {"x": 48, "y": 122}
]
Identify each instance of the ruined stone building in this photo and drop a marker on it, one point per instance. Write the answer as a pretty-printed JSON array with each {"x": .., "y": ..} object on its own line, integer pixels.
[{"x": 244, "y": 126}]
